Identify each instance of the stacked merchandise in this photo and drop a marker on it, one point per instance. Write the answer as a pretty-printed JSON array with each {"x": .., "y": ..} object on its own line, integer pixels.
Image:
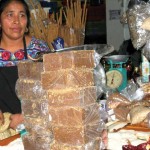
[
  {"x": 58, "y": 96},
  {"x": 34, "y": 104}
]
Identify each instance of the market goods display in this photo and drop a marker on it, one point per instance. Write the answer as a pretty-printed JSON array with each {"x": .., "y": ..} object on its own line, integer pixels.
[
  {"x": 5, "y": 130},
  {"x": 59, "y": 102},
  {"x": 127, "y": 112},
  {"x": 68, "y": 24},
  {"x": 136, "y": 15}
]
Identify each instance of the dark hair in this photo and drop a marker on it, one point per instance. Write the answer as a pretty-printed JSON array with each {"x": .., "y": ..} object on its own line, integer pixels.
[{"x": 5, "y": 3}]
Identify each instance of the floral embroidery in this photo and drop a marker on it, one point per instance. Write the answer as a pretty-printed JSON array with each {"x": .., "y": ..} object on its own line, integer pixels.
[
  {"x": 6, "y": 55},
  {"x": 11, "y": 59},
  {"x": 19, "y": 55}
]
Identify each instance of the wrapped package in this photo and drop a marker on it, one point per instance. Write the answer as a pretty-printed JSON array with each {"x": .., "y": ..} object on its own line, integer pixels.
[
  {"x": 121, "y": 113},
  {"x": 93, "y": 145},
  {"x": 34, "y": 108},
  {"x": 74, "y": 59},
  {"x": 36, "y": 142},
  {"x": 135, "y": 103},
  {"x": 29, "y": 89},
  {"x": 68, "y": 78},
  {"x": 77, "y": 135},
  {"x": 75, "y": 116},
  {"x": 29, "y": 70},
  {"x": 138, "y": 114},
  {"x": 59, "y": 104},
  {"x": 116, "y": 99},
  {"x": 38, "y": 125},
  {"x": 135, "y": 18},
  {"x": 72, "y": 97}
]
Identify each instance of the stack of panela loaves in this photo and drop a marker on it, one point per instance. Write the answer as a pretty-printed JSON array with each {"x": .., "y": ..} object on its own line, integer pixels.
[{"x": 59, "y": 102}]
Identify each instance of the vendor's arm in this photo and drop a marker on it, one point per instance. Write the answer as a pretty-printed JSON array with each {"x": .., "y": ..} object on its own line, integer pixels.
[{"x": 16, "y": 119}]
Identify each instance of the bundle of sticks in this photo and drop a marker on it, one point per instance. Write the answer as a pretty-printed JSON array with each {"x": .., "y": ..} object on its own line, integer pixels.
[
  {"x": 48, "y": 28},
  {"x": 75, "y": 15},
  {"x": 41, "y": 25}
]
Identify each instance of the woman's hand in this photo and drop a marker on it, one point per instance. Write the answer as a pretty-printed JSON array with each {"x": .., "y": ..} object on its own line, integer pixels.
[
  {"x": 1, "y": 118},
  {"x": 16, "y": 119}
]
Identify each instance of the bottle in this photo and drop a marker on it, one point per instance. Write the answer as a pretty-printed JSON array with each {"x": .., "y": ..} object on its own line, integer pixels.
[{"x": 145, "y": 69}]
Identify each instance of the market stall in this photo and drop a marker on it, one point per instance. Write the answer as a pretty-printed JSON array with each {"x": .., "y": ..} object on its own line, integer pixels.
[{"x": 71, "y": 100}]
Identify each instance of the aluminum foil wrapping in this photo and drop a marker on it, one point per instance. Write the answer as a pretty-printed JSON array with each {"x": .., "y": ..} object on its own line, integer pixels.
[{"x": 135, "y": 17}]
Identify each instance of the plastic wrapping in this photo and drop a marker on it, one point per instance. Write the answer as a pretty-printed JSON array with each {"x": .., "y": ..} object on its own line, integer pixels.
[
  {"x": 30, "y": 89},
  {"x": 79, "y": 115},
  {"x": 58, "y": 98},
  {"x": 138, "y": 114},
  {"x": 116, "y": 99},
  {"x": 124, "y": 110},
  {"x": 135, "y": 17},
  {"x": 73, "y": 37},
  {"x": 36, "y": 142},
  {"x": 94, "y": 144},
  {"x": 73, "y": 97},
  {"x": 133, "y": 91}
]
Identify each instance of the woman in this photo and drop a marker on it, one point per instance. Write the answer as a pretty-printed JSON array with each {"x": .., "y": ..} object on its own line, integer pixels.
[{"x": 15, "y": 45}]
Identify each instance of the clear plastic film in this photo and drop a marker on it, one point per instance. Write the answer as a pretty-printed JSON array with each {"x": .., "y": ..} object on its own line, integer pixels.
[
  {"x": 133, "y": 91},
  {"x": 77, "y": 59},
  {"x": 123, "y": 108},
  {"x": 75, "y": 116},
  {"x": 135, "y": 18},
  {"x": 73, "y": 37},
  {"x": 36, "y": 141},
  {"x": 94, "y": 144},
  {"x": 59, "y": 94},
  {"x": 30, "y": 89}
]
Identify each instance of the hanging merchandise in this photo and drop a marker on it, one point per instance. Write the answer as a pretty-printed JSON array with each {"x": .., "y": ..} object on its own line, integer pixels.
[
  {"x": 135, "y": 17},
  {"x": 132, "y": 3}
]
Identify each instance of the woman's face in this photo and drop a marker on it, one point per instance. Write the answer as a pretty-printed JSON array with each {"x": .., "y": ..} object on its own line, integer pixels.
[{"x": 13, "y": 21}]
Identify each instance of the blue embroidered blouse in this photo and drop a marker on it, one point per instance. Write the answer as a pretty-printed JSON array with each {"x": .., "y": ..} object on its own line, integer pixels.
[{"x": 10, "y": 59}]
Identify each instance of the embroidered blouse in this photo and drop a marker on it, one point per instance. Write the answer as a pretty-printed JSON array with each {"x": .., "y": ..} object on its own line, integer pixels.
[{"x": 11, "y": 59}]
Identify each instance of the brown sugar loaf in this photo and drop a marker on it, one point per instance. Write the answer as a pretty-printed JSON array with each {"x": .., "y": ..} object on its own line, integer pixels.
[
  {"x": 30, "y": 70},
  {"x": 37, "y": 122},
  {"x": 29, "y": 142},
  {"x": 72, "y": 97},
  {"x": 68, "y": 78},
  {"x": 116, "y": 99},
  {"x": 68, "y": 60},
  {"x": 121, "y": 113},
  {"x": 30, "y": 89},
  {"x": 34, "y": 108},
  {"x": 143, "y": 102},
  {"x": 146, "y": 97},
  {"x": 75, "y": 116},
  {"x": 76, "y": 135},
  {"x": 93, "y": 145},
  {"x": 36, "y": 141}
]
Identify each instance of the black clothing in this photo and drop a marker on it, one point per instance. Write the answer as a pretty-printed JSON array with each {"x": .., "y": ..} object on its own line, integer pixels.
[
  {"x": 9, "y": 101},
  {"x": 127, "y": 49}
]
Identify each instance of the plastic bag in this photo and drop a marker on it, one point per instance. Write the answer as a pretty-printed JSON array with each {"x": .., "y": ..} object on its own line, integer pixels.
[{"x": 135, "y": 17}]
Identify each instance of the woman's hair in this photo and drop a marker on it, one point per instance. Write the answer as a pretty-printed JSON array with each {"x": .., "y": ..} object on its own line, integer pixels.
[{"x": 5, "y": 3}]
